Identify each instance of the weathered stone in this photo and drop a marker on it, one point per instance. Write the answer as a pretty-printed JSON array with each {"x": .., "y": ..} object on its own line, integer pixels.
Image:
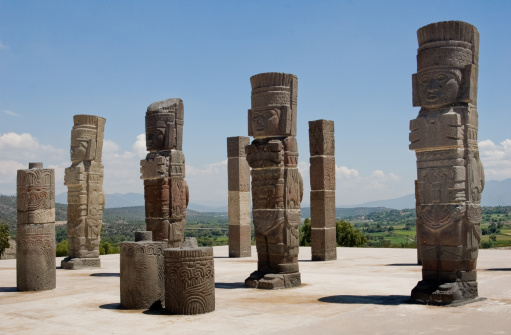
[
  {"x": 321, "y": 138},
  {"x": 450, "y": 175},
  {"x": 238, "y": 175},
  {"x": 35, "y": 239},
  {"x": 86, "y": 199},
  {"x": 189, "y": 281},
  {"x": 323, "y": 244},
  {"x": 142, "y": 272},
  {"x": 277, "y": 187},
  {"x": 240, "y": 243},
  {"x": 163, "y": 171},
  {"x": 322, "y": 173},
  {"x": 322, "y": 181}
]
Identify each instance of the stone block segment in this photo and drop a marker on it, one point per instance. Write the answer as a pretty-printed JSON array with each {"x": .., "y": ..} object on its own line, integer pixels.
[
  {"x": 322, "y": 181},
  {"x": 35, "y": 238}
]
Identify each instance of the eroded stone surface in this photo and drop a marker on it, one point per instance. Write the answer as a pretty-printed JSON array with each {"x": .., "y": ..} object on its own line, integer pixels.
[
  {"x": 277, "y": 186},
  {"x": 85, "y": 196},
  {"x": 322, "y": 180},
  {"x": 189, "y": 280},
  {"x": 142, "y": 272},
  {"x": 35, "y": 239},
  {"x": 238, "y": 172},
  {"x": 163, "y": 171},
  {"x": 450, "y": 176}
]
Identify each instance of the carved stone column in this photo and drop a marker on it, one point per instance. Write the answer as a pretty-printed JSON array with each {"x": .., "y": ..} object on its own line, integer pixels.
[
  {"x": 163, "y": 172},
  {"x": 85, "y": 196},
  {"x": 189, "y": 280},
  {"x": 450, "y": 175},
  {"x": 239, "y": 197},
  {"x": 322, "y": 179},
  {"x": 277, "y": 186},
  {"x": 35, "y": 239},
  {"x": 142, "y": 272}
]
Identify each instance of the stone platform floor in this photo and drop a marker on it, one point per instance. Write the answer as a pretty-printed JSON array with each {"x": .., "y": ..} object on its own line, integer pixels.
[{"x": 364, "y": 292}]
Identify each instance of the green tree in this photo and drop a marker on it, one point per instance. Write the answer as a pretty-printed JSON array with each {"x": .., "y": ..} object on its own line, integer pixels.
[
  {"x": 305, "y": 233},
  {"x": 348, "y": 236},
  {"x": 4, "y": 238},
  {"x": 62, "y": 248}
]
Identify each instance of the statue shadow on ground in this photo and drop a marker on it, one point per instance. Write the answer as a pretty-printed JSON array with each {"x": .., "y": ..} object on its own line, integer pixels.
[
  {"x": 8, "y": 289},
  {"x": 386, "y": 300},
  {"x": 403, "y": 264},
  {"x": 105, "y": 274},
  {"x": 115, "y": 305},
  {"x": 498, "y": 269},
  {"x": 230, "y": 286}
]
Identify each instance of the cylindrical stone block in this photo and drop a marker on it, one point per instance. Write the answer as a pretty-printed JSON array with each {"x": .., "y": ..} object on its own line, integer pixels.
[
  {"x": 142, "y": 273},
  {"x": 189, "y": 281},
  {"x": 35, "y": 240}
]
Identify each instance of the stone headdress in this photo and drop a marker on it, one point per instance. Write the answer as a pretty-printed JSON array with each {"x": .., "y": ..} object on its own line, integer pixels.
[{"x": 90, "y": 129}]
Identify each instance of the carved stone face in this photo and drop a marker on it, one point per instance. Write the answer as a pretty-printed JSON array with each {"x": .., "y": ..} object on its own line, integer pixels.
[
  {"x": 154, "y": 138},
  {"x": 265, "y": 122},
  {"x": 78, "y": 151},
  {"x": 439, "y": 88}
]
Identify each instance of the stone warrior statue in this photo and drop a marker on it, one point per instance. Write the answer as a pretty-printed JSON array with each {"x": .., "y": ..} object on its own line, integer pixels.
[
  {"x": 277, "y": 186},
  {"x": 450, "y": 175},
  {"x": 163, "y": 172},
  {"x": 86, "y": 199}
]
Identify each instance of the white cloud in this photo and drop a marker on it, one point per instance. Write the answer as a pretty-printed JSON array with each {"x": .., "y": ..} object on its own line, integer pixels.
[
  {"x": 139, "y": 146},
  {"x": 208, "y": 185},
  {"x": 17, "y": 150},
  {"x": 3, "y": 46},
  {"x": 8, "y": 112},
  {"x": 496, "y": 159}
]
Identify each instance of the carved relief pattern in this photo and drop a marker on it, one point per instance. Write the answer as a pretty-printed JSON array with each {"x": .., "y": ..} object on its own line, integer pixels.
[
  {"x": 142, "y": 274},
  {"x": 35, "y": 240},
  {"x": 189, "y": 281},
  {"x": 277, "y": 186},
  {"x": 86, "y": 198},
  {"x": 450, "y": 176},
  {"x": 163, "y": 171}
]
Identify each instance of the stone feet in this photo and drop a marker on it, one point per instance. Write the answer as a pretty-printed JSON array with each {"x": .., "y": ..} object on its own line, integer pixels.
[
  {"x": 454, "y": 293},
  {"x": 272, "y": 281}
]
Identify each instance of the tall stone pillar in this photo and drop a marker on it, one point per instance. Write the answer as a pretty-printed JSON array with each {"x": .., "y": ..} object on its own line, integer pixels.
[
  {"x": 322, "y": 179},
  {"x": 85, "y": 196},
  {"x": 142, "y": 272},
  {"x": 35, "y": 239},
  {"x": 277, "y": 186},
  {"x": 450, "y": 175},
  {"x": 239, "y": 197},
  {"x": 163, "y": 172}
]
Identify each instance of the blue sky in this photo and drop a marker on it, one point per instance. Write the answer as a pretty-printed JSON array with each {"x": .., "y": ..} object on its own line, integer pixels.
[{"x": 353, "y": 59}]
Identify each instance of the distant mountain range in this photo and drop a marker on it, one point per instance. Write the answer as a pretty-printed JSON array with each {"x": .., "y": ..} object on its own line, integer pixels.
[{"x": 496, "y": 193}]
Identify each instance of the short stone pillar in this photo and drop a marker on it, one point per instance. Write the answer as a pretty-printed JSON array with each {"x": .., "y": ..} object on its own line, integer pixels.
[
  {"x": 322, "y": 179},
  {"x": 238, "y": 172},
  {"x": 142, "y": 272},
  {"x": 35, "y": 240},
  {"x": 189, "y": 281}
]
